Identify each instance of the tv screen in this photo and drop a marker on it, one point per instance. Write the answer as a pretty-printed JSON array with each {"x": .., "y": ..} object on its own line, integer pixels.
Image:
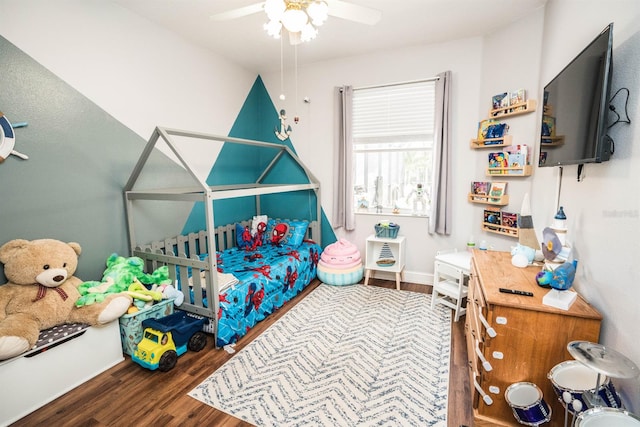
[{"x": 576, "y": 106}]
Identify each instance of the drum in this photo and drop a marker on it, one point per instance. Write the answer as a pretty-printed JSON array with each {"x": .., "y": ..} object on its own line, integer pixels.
[
  {"x": 607, "y": 417},
  {"x": 575, "y": 378},
  {"x": 527, "y": 404}
]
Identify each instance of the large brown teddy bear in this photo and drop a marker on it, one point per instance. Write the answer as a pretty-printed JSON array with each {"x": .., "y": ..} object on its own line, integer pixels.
[{"x": 41, "y": 293}]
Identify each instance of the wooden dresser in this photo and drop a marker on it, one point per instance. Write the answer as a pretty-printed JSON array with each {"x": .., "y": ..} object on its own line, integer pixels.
[{"x": 513, "y": 338}]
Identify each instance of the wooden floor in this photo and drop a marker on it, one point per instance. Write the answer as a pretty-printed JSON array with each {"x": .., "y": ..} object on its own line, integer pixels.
[{"x": 129, "y": 395}]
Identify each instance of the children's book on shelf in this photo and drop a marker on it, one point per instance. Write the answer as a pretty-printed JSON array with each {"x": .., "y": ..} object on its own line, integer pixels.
[
  {"x": 519, "y": 157},
  {"x": 483, "y": 126},
  {"x": 500, "y": 100},
  {"x": 492, "y": 219},
  {"x": 510, "y": 220},
  {"x": 480, "y": 188},
  {"x": 517, "y": 162},
  {"x": 496, "y": 130},
  {"x": 517, "y": 97},
  {"x": 498, "y": 189},
  {"x": 497, "y": 162}
]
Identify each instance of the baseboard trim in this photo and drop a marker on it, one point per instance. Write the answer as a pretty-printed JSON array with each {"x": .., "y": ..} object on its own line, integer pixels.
[{"x": 409, "y": 277}]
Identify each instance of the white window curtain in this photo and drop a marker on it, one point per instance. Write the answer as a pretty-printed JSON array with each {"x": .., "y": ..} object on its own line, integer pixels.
[
  {"x": 440, "y": 218},
  {"x": 343, "y": 215}
]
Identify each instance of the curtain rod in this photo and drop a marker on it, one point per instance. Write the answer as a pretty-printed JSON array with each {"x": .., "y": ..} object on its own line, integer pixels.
[{"x": 431, "y": 79}]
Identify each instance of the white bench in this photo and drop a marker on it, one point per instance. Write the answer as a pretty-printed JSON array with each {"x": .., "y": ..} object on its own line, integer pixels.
[{"x": 29, "y": 383}]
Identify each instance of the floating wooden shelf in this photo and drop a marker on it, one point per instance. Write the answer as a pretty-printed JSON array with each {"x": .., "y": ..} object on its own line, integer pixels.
[
  {"x": 491, "y": 142},
  {"x": 556, "y": 141},
  {"x": 528, "y": 106},
  {"x": 515, "y": 171},
  {"x": 489, "y": 200},
  {"x": 500, "y": 229}
]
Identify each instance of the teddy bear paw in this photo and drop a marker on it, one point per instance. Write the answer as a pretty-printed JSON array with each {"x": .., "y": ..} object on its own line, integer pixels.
[
  {"x": 11, "y": 346},
  {"x": 116, "y": 308}
]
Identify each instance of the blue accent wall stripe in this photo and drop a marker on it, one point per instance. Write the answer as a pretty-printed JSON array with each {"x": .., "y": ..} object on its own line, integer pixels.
[{"x": 258, "y": 118}]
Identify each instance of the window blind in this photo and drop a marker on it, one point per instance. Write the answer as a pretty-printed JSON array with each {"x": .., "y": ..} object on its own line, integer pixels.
[{"x": 394, "y": 114}]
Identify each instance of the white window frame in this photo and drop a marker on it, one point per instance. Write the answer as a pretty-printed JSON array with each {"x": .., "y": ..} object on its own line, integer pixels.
[{"x": 393, "y": 120}]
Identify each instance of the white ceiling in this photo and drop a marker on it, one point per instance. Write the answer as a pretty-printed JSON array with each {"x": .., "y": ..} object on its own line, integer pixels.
[{"x": 404, "y": 23}]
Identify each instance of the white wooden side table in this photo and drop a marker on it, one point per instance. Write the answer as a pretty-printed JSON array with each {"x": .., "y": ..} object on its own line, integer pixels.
[{"x": 380, "y": 252}]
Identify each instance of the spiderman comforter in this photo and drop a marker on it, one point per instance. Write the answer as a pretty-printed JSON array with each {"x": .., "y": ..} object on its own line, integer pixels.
[{"x": 268, "y": 277}]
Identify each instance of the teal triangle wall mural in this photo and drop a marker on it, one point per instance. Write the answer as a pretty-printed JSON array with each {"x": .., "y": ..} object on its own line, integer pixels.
[{"x": 258, "y": 119}]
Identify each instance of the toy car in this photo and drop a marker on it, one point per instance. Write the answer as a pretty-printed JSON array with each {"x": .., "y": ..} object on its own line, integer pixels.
[{"x": 168, "y": 337}]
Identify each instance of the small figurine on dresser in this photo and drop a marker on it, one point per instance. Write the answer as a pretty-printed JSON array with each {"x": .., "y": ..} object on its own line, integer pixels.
[{"x": 558, "y": 272}]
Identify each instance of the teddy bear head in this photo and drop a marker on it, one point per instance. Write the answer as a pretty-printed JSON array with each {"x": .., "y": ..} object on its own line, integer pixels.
[{"x": 47, "y": 262}]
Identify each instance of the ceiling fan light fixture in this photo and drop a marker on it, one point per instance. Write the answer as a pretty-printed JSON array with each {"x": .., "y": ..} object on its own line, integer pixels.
[
  {"x": 294, "y": 19},
  {"x": 299, "y": 17},
  {"x": 318, "y": 11},
  {"x": 274, "y": 9},
  {"x": 273, "y": 28},
  {"x": 309, "y": 32}
]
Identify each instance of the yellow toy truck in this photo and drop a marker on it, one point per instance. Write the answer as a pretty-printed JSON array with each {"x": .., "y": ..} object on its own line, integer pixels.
[{"x": 168, "y": 337}]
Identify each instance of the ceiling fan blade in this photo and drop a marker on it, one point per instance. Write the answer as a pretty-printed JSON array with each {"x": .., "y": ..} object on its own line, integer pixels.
[
  {"x": 238, "y": 13},
  {"x": 354, "y": 12}
]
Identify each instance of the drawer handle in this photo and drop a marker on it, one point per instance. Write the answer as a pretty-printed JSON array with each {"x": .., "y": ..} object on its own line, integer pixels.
[
  {"x": 487, "y": 399},
  {"x": 492, "y": 332},
  {"x": 485, "y": 363}
]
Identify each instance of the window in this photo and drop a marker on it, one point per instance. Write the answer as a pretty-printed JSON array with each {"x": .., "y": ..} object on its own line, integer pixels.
[{"x": 393, "y": 128}]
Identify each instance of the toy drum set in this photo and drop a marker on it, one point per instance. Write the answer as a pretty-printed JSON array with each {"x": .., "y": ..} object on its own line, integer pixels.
[
  {"x": 527, "y": 404},
  {"x": 584, "y": 388}
]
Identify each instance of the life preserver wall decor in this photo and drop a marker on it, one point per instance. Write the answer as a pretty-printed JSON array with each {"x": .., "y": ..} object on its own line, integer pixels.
[{"x": 8, "y": 140}]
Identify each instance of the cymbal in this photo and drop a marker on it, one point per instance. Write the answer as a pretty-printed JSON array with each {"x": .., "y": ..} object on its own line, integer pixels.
[{"x": 603, "y": 359}]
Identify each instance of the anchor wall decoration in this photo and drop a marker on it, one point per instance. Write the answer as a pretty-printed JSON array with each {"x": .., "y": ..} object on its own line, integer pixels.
[{"x": 285, "y": 130}]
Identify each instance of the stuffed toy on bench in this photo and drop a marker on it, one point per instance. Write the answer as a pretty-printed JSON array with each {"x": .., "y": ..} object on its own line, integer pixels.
[{"x": 41, "y": 293}]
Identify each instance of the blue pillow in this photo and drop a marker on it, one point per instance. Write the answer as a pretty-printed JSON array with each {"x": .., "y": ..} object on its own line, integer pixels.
[{"x": 286, "y": 232}]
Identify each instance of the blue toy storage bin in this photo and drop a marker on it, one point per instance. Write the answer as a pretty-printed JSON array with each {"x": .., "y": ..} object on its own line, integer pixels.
[
  {"x": 131, "y": 324},
  {"x": 390, "y": 231}
]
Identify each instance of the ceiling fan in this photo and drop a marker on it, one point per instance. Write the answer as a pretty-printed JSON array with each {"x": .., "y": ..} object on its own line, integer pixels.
[{"x": 302, "y": 17}]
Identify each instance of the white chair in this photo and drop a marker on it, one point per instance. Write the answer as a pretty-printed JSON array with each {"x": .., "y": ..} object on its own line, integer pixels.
[{"x": 450, "y": 281}]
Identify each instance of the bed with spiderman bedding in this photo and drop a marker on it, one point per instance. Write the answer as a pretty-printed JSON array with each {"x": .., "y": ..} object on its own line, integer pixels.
[
  {"x": 255, "y": 276},
  {"x": 260, "y": 261}
]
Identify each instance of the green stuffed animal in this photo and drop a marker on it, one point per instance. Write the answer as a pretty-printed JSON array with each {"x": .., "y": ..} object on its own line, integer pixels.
[{"x": 123, "y": 275}]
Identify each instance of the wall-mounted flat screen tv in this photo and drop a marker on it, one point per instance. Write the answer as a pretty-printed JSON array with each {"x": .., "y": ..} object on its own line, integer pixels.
[{"x": 576, "y": 106}]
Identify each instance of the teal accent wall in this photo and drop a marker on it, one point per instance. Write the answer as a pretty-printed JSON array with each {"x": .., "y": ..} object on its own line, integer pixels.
[
  {"x": 257, "y": 120},
  {"x": 80, "y": 158}
]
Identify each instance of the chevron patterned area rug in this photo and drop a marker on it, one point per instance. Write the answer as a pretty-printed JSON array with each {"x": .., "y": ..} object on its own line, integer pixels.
[{"x": 343, "y": 356}]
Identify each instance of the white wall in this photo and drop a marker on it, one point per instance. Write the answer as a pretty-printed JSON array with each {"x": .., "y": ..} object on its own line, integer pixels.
[
  {"x": 313, "y": 136},
  {"x": 511, "y": 61},
  {"x": 603, "y": 210},
  {"x": 138, "y": 72}
]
